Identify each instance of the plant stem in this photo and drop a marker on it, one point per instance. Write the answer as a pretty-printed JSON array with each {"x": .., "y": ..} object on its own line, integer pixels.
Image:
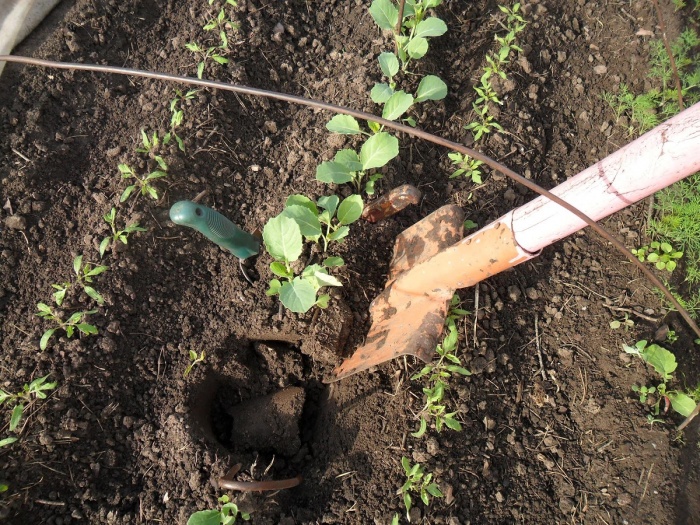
[{"x": 414, "y": 132}]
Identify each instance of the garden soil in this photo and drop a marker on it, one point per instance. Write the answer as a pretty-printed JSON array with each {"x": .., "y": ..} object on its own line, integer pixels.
[{"x": 552, "y": 432}]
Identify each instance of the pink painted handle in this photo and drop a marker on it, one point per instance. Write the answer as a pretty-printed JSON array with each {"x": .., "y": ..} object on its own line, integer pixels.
[{"x": 657, "y": 159}]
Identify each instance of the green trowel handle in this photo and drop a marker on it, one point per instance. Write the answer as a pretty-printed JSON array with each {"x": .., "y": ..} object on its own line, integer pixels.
[{"x": 215, "y": 227}]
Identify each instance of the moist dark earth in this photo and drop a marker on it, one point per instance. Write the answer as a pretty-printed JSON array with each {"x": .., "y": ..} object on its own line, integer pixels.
[{"x": 125, "y": 438}]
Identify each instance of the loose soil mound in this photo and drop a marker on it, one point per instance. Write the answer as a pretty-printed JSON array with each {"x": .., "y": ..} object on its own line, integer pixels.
[{"x": 126, "y": 439}]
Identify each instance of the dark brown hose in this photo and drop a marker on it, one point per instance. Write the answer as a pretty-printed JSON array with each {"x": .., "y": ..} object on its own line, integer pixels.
[
  {"x": 414, "y": 132},
  {"x": 225, "y": 482}
]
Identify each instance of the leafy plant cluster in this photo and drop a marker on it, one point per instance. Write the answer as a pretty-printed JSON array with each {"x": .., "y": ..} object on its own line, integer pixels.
[
  {"x": 411, "y": 39},
  {"x": 486, "y": 95},
  {"x": 417, "y": 482},
  {"x": 661, "y": 254},
  {"x": 322, "y": 222},
  {"x": 21, "y": 400},
  {"x": 439, "y": 373},
  {"x": 664, "y": 364},
  {"x": 215, "y": 50}
]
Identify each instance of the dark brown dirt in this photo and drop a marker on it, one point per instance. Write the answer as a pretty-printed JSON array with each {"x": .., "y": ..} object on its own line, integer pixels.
[{"x": 126, "y": 439}]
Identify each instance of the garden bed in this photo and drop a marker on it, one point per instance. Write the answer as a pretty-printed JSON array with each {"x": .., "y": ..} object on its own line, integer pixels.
[{"x": 125, "y": 438}]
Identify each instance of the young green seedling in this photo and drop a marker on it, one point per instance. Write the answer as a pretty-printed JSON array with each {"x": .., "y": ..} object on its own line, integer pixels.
[
  {"x": 439, "y": 373},
  {"x": 662, "y": 254},
  {"x": 35, "y": 390},
  {"x": 206, "y": 54},
  {"x": 418, "y": 482},
  {"x": 468, "y": 167},
  {"x": 221, "y": 23},
  {"x": 75, "y": 321},
  {"x": 194, "y": 360},
  {"x": 143, "y": 183},
  {"x": 226, "y": 515},
  {"x": 626, "y": 322},
  {"x": 177, "y": 116},
  {"x": 84, "y": 274},
  {"x": 644, "y": 392},
  {"x": 117, "y": 235}
]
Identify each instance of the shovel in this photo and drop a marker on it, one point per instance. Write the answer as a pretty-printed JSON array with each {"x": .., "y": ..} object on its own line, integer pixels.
[{"x": 431, "y": 260}]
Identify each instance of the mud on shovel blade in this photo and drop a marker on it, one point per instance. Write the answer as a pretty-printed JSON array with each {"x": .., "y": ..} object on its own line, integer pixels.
[{"x": 408, "y": 316}]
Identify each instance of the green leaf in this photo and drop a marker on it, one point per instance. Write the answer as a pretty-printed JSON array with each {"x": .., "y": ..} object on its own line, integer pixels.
[
  {"x": 397, "y": 105},
  {"x": 458, "y": 370},
  {"x": 334, "y": 261},
  {"x": 430, "y": 27},
  {"x": 417, "y": 48},
  {"x": 127, "y": 193},
  {"x": 406, "y": 464},
  {"x": 663, "y": 361},
  {"x": 87, "y": 329},
  {"x": 380, "y": 93},
  {"x": 282, "y": 238},
  {"x": 301, "y": 200},
  {"x": 274, "y": 288},
  {"x": 421, "y": 429},
  {"x": 306, "y": 219},
  {"x": 452, "y": 423},
  {"x": 298, "y": 296},
  {"x": 77, "y": 263},
  {"x": 339, "y": 234},
  {"x": 200, "y": 70},
  {"x": 94, "y": 294},
  {"x": 407, "y": 502},
  {"x": 378, "y": 150},
  {"x": 205, "y": 517},
  {"x": 45, "y": 338},
  {"x": 434, "y": 490},
  {"x": 322, "y": 301},
  {"x": 326, "y": 280},
  {"x": 349, "y": 158},
  {"x": 333, "y": 172},
  {"x": 4, "y": 443},
  {"x": 104, "y": 245},
  {"x": 219, "y": 59},
  {"x": 374, "y": 126},
  {"x": 384, "y": 13},
  {"x": 350, "y": 209},
  {"x": 682, "y": 403},
  {"x": 16, "y": 417},
  {"x": 45, "y": 308},
  {"x": 389, "y": 64},
  {"x": 280, "y": 269},
  {"x": 329, "y": 203},
  {"x": 343, "y": 124},
  {"x": 431, "y": 87}
]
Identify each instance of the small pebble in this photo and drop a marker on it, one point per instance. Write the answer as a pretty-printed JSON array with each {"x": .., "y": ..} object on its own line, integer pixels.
[
  {"x": 600, "y": 69},
  {"x": 16, "y": 222}
]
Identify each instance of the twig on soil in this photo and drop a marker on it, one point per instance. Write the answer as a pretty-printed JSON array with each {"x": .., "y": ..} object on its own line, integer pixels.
[
  {"x": 413, "y": 132},
  {"x": 676, "y": 78},
  {"x": 539, "y": 350},
  {"x": 633, "y": 312},
  {"x": 50, "y": 503},
  {"x": 646, "y": 484},
  {"x": 20, "y": 155}
]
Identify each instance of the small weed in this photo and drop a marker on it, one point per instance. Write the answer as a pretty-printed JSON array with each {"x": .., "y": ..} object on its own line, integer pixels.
[
  {"x": 625, "y": 322},
  {"x": 69, "y": 326},
  {"x": 225, "y": 515},
  {"x": 644, "y": 392},
  {"x": 143, "y": 183},
  {"x": 439, "y": 373},
  {"x": 205, "y": 54},
  {"x": 466, "y": 166},
  {"x": 671, "y": 336},
  {"x": 177, "y": 115},
  {"x": 417, "y": 482},
  {"x": 35, "y": 390},
  {"x": 662, "y": 254},
  {"x": 84, "y": 275},
  {"x": 117, "y": 235},
  {"x": 221, "y": 23},
  {"x": 194, "y": 360}
]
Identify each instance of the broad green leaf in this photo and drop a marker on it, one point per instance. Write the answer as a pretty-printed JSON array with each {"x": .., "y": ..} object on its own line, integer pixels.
[
  {"x": 431, "y": 3},
  {"x": 16, "y": 417},
  {"x": 282, "y": 238},
  {"x": 327, "y": 280},
  {"x": 127, "y": 193},
  {"x": 298, "y": 296},
  {"x": 452, "y": 423},
  {"x": 322, "y": 301},
  {"x": 45, "y": 338},
  {"x": 87, "y": 329},
  {"x": 378, "y": 150},
  {"x": 389, "y": 64},
  {"x": 280, "y": 269},
  {"x": 350, "y": 209},
  {"x": 306, "y": 219},
  {"x": 458, "y": 370},
  {"x": 77, "y": 263},
  {"x": 430, "y": 27},
  {"x": 94, "y": 294},
  {"x": 369, "y": 186},
  {"x": 219, "y": 59},
  {"x": 380, "y": 93},
  {"x": 431, "y": 87},
  {"x": 301, "y": 200},
  {"x": 374, "y": 126},
  {"x": 349, "y": 158},
  {"x": 385, "y": 13},
  {"x": 104, "y": 244},
  {"x": 339, "y": 234},
  {"x": 434, "y": 490},
  {"x": 682, "y": 403},
  {"x": 43, "y": 307},
  {"x": 343, "y": 124},
  {"x": 204, "y": 517},
  {"x": 4, "y": 396},
  {"x": 4, "y": 443},
  {"x": 329, "y": 203},
  {"x": 663, "y": 361},
  {"x": 417, "y": 48},
  {"x": 333, "y": 172},
  {"x": 334, "y": 261},
  {"x": 397, "y": 105}
]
